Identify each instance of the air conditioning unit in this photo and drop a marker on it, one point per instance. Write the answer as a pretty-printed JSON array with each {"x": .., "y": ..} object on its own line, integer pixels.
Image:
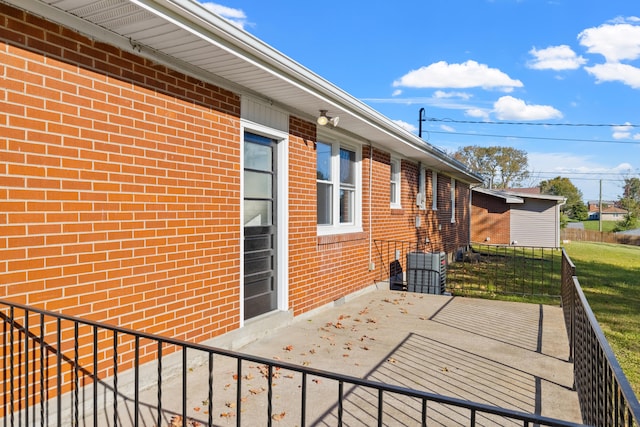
[{"x": 427, "y": 272}]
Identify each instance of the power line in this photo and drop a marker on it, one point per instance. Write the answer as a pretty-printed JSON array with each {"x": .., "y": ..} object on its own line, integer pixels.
[
  {"x": 622, "y": 173},
  {"x": 447, "y": 120},
  {"x": 610, "y": 141}
]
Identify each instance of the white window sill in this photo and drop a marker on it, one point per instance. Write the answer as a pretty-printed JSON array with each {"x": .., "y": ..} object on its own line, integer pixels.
[{"x": 328, "y": 230}]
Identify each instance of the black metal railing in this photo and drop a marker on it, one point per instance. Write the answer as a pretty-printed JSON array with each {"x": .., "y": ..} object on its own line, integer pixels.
[
  {"x": 483, "y": 269},
  {"x": 61, "y": 370},
  {"x": 507, "y": 270},
  {"x": 605, "y": 395},
  {"x": 391, "y": 258}
]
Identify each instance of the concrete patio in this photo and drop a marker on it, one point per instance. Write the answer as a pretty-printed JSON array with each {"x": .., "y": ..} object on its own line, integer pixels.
[{"x": 511, "y": 355}]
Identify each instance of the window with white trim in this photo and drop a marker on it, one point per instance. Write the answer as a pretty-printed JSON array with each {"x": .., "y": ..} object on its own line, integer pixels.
[
  {"x": 453, "y": 200},
  {"x": 338, "y": 188},
  {"x": 395, "y": 184},
  {"x": 434, "y": 190},
  {"x": 422, "y": 191}
]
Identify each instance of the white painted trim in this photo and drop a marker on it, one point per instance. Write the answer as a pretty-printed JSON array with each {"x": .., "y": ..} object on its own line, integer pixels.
[
  {"x": 398, "y": 194},
  {"x": 434, "y": 190},
  {"x": 422, "y": 189},
  {"x": 336, "y": 227},
  {"x": 282, "y": 206},
  {"x": 453, "y": 200}
]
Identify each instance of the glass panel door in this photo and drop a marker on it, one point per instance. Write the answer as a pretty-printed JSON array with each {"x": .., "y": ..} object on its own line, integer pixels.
[{"x": 260, "y": 246}]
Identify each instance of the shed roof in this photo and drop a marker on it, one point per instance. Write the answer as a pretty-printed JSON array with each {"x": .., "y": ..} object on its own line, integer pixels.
[
  {"x": 184, "y": 35},
  {"x": 514, "y": 197}
]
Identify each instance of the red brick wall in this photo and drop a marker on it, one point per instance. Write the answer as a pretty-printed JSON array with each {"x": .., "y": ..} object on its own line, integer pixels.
[
  {"x": 325, "y": 268},
  {"x": 436, "y": 225},
  {"x": 120, "y": 193},
  {"x": 119, "y": 185},
  {"x": 490, "y": 217}
]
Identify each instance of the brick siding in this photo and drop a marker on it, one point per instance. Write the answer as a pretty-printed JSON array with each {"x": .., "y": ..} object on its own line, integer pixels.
[
  {"x": 120, "y": 185},
  {"x": 120, "y": 192},
  {"x": 490, "y": 217}
]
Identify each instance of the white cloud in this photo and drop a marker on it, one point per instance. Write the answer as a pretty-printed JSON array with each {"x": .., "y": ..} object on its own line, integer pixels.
[
  {"x": 447, "y": 128},
  {"x": 440, "y": 94},
  {"x": 406, "y": 126},
  {"x": 612, "y": 72},
  {"x": 625, "y": 132},
  {"x": 555, "y": 58},
  {"x": 235, "y": 16},
  {"x": 510, "y": 108},
  {"x": 621, "y": 135},
  {"x": 580, "y": 169},
  {"x": 616, "y": 42},
  {"x": 396, "y": 92},
  {"x": 478, "y": 113},
  {"x": 466, "y": 75}
]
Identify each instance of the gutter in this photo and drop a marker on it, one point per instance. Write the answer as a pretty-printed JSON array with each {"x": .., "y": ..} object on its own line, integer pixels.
[{"x": 185, "y": 12}]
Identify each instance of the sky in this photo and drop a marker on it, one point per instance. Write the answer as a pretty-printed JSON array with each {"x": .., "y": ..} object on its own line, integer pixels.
[{"x": 559, "y": 79}]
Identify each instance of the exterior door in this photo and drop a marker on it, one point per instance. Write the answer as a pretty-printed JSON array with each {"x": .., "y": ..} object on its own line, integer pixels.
[{"x": 260, "y": 275}]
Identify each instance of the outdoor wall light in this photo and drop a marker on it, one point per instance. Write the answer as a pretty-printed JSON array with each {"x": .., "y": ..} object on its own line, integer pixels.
[{"x": 323, "y": 119}]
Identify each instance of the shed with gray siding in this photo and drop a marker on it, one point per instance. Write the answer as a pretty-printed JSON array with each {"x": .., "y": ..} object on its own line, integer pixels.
[{"x": 534, "y": 219}]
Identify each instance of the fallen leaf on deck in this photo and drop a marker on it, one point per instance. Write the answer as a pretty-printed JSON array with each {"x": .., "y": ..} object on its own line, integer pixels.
[{"x": 278, "y": 417}]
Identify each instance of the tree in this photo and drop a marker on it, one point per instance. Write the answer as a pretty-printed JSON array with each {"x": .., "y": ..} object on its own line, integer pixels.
[
  {"x": 631, "y": 189},
  {"x": 631, "y": 202},
  {"x": 574, "y": 207},
  {"x": 505, "y": 167}
]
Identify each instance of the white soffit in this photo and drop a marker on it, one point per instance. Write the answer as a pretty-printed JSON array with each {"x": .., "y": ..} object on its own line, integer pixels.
[{"x": 185, "y": 33}]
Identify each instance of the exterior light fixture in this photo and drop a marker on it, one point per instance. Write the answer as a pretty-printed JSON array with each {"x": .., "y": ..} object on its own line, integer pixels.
[{"x": 323, "y": 119}]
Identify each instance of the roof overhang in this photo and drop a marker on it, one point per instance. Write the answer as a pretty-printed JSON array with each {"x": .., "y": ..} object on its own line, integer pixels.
[
  {"x": 186, "y": 36},
  {"x": 513, "y": 197}
]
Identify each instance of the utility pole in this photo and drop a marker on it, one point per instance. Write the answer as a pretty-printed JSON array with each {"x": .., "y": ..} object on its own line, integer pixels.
[{"x": 600, "y": 209}]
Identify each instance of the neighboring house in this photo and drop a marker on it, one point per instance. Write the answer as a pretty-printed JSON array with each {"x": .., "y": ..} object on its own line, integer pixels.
[
  {"x": 163, "y": 170},
  {"x": 609, "y": 213},
  {"x": 594, "y": 205},
  {"x": 514, "y": 218},
  {"x": 524, "y": 190}
]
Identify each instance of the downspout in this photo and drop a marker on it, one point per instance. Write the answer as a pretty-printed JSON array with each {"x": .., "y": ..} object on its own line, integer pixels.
[
  {"x": 371, "y": 266},
  {"x": 471, "y": 187},
  {"x": 559, "y": 217}
]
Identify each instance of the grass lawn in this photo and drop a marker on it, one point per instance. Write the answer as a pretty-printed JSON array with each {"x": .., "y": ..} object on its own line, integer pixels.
[
  {"x": 610, "y": 278},
  {"x": 593, "y": 225}
]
